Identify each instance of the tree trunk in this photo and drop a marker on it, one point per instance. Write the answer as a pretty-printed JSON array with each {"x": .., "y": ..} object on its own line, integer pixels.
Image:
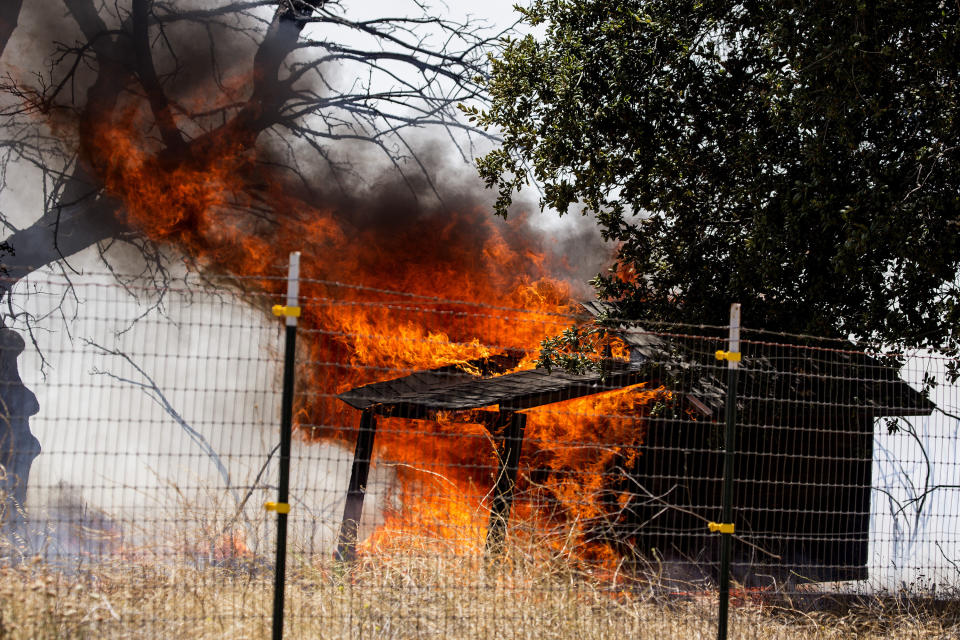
[
  {"x": 51, "y": 238},
  {"x": 9, "y": 13},
  {"x": 18, "y": 446}
]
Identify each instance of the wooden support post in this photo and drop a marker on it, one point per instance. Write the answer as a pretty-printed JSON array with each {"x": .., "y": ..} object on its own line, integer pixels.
[
  {"x": 513, "y": 427},
  {"x": 353, "y": 508}
]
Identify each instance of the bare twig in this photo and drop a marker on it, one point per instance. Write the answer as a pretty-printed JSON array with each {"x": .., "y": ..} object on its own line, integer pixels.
[{"x": 156, "y": 394}]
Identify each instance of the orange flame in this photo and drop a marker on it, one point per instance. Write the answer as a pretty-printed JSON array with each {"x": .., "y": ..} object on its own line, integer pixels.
[
  {"x": 231, "y": 216},
  {"x": 232, "y": 545}
]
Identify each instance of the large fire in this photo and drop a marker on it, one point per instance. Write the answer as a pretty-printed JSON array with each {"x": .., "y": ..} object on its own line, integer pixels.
[{"x": 471, "y": 287}]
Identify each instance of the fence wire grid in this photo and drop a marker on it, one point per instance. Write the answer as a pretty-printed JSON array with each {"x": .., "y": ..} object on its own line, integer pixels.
[{"x": 443, "y": 486}]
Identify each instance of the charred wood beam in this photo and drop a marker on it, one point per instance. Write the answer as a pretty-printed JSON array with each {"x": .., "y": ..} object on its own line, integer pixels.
[
  {"x": 514, "y": 424},
  {"x": 356, "y": 490},
  {"x": 562, "y": 393}
]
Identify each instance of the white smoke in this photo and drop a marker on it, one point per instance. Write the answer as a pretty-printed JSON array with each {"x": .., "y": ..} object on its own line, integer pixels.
[{"x": 147, "y": 409}]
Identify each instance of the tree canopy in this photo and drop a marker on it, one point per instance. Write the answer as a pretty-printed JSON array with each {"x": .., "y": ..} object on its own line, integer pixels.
[{"x": 800, "y": 158}]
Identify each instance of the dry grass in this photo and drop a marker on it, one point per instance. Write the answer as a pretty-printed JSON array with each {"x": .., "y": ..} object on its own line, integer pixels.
[{"x": 409, "y": 595}]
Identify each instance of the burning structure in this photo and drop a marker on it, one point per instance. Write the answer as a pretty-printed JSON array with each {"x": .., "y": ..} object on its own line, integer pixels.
[{"x": 804, "y": 454}]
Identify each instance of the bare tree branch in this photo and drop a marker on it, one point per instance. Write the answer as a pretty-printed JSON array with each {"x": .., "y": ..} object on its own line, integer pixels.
[
  {"x": 149, "y": 386},
  {"x": 80, "y": 226},
  {"x": 148, "y": 78},
  {"x": 262, "y": 109}
]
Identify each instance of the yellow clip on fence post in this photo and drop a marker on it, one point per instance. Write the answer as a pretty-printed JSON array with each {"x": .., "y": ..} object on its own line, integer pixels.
[
  {"x": 731, "y": 356},
  {"x": 279, "y": 507},
  {"x": 290, "y": 312},
  {"x": 722, "y": 527}
]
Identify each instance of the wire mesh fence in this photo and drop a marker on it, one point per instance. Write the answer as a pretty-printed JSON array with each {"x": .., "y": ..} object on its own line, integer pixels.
[{"x": 442, "y": 484}]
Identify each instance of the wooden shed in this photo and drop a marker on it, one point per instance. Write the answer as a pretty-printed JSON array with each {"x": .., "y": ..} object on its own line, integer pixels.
[
  {"x": 807, "y": 415},
  {"x": 804, "y": 451}
]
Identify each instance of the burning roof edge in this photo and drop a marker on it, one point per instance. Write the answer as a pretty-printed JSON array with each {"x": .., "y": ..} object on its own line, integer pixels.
[
  {"x": 453, "y": 389},
  {"x": 864, "y": 374},
  {"x": 484, "y": 382}
]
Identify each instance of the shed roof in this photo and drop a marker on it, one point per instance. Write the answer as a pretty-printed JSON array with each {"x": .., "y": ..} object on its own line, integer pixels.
[
  {"x": 844, "y": 377},
  {"x": 452, "y": 389}
]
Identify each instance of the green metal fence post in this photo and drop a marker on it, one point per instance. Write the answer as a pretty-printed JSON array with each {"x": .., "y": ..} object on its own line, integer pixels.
[
  {"x": 725, "y": 526},
  {"x": 291, "y": 311}
]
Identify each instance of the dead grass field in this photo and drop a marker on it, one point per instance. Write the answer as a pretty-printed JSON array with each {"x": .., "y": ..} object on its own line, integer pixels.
[{"x": 422, "y": 595}]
